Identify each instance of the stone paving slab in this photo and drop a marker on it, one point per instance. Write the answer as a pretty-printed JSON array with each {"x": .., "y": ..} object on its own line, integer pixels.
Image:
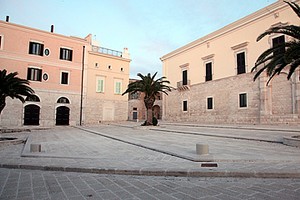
[
  {"x": 71, "y": 149},
  {"x": 17, "y": 184}
]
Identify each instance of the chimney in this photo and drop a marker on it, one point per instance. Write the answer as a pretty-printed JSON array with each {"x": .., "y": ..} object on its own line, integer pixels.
[
  {"x": 7, "y": 18},
  {"x": 52, "y": 28}
]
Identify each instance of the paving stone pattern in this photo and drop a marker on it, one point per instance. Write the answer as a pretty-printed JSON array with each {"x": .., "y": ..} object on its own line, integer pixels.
[{"x": 37, "y": 185}]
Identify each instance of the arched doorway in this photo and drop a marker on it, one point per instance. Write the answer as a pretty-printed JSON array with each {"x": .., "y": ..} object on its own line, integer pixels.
[
  {"x": 31, "y": 115},
  {"x": 62, "y": 115},
  {"x": 156, "y": 112}
]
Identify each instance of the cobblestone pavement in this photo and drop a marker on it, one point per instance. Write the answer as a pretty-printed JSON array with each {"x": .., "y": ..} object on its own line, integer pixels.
[{"x": 44, "y": 185}]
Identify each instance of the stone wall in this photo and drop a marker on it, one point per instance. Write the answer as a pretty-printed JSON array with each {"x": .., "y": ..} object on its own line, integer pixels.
[{"x": 225, "y": 93}]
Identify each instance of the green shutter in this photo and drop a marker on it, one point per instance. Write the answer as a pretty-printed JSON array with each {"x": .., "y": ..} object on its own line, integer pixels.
[{"x": 100, "y": 85}]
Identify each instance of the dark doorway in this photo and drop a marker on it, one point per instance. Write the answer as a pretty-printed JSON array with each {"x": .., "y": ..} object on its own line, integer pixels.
[
  {"x": 134, "y": 116},
  {"x": 32, "y": 115},
  {"x": 62, "y": 115}
]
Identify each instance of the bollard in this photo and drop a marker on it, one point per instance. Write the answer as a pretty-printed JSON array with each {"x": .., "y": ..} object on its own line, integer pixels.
[
  {"x": 202, "y": 149},
  {"x": 35, "y": 147}
]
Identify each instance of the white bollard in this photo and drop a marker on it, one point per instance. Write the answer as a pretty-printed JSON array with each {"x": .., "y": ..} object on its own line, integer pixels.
[
  {"x": 35, "y": 147},
  {"x": 202, "y": 149}
]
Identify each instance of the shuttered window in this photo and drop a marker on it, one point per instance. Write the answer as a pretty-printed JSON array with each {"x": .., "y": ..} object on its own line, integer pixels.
[
  {"x": 36, "y": 48},
  {"x": 34, "y": 74},
  {"x": 100, "y": 85}
]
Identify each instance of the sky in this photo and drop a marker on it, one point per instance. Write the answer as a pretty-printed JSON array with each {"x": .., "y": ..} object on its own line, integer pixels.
[{"x": 148, "y": 28}]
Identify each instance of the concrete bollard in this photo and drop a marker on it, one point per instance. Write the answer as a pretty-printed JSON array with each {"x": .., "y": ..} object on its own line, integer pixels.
[
  {"x": 202, "y": 149},
  {"x": 35, "y": 147}
]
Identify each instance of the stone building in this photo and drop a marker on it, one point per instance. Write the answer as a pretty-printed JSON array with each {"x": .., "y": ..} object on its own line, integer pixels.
[
  {"x": 61, "y": 69},
  {"x": 214, "y": 80},
  {"x": 136, "y": 106},
  {"x": 107, "y": 77}
]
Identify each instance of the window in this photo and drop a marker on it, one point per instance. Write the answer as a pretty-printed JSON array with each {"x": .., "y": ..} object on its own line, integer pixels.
[
  {"x": 33, "y": 98},
  {"x": 66, "y": 54},
  {"x": 134, "y": 95},
  {"x": 63, "y": 100},
  {"x": 36, "y": 48},
  {"x": 134, "y": 109},
  {"x": 209, "y": 103},
  {"x": 208, "y": 67},
  {"x": 1, "y": 42},
  {"x": 243, "y": 100},
  {"x": 64, "y": 78},
  {"x": 184, "y": 106},
  {"x": 184, "y": 77},
  {"x": 100, "y": 84},
  {"x": 278, "y": 41},
  {"x": 118, "y": 87},
  {"x": 34, "y": 74},
  {"x": 241, "y": 63}
]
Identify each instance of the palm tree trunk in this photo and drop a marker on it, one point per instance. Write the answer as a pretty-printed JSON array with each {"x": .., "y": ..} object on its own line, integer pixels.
[
  {"x": 149, "y": 102},
  {"x": 2, "y": 104}
]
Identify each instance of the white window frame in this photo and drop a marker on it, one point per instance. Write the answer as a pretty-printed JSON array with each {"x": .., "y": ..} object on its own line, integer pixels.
[
  {"x": 69, "y": 77},
  {"x": 213, "y": 103},
  {"x": 115, "y": 86},
  {"x": 98, "y": 78},
  {"x": 247, "y": 97},
  {"x": 68, "y": 48},
  {"x": 246, "y": 60}
]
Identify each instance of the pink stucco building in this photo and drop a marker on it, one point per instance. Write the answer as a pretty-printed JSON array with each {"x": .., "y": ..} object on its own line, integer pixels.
[{"x": 58, "y": 69}]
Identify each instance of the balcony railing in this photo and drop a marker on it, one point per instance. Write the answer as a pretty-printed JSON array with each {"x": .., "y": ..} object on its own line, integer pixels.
[
  {"x": 107, "y": 51},
  {"x": 182, "y": 86}
]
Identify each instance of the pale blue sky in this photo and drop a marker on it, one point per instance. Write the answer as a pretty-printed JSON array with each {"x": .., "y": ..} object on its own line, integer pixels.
[{"x": 149, "y": 28}]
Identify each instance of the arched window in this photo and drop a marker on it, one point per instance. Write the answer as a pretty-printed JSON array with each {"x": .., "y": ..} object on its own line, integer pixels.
[
  {"x": 63, "y": 100},
  {"x": 33, "y": 98}
]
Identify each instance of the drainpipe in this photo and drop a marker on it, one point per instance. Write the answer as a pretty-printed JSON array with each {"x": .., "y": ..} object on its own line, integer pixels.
[{"x": 81, "y": 92}]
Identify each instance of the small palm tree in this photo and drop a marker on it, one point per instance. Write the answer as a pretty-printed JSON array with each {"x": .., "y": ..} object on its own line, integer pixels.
[
  {"x": 283, "y": 55},
  {"x": 13, "y": 87},
  {"x": 151, "y": 88}
]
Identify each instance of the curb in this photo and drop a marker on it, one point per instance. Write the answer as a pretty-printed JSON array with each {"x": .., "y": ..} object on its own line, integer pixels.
[{"x": 154, "y": 172}]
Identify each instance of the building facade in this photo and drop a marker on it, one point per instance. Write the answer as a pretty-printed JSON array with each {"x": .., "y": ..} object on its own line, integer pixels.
[
  {"x": 213, "y": 78},
  {"x": 58, "y": 68},
  {"x": 107, "y": 77}
]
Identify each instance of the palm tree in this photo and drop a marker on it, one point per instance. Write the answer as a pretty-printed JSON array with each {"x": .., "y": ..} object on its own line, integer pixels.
[
  {"x": 283, "y": 55},
  {"x": 151, "y": 88},
  {"x": 13, "y": 87}
]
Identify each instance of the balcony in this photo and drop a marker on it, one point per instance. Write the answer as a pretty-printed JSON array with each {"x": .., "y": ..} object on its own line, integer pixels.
[
  {"x": 181, "y": 86},
  {"x": 107, "y": 51}
]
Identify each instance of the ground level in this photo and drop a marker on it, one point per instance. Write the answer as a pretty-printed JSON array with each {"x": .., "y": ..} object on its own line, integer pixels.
[{"x": 36, "y": 185}]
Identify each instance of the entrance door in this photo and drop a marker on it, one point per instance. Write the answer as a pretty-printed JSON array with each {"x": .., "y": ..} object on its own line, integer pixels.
[
  {"x": 31, "y": 115},
  {"x": 62, "y": 115},
  {"x": 134, "y": 115}
]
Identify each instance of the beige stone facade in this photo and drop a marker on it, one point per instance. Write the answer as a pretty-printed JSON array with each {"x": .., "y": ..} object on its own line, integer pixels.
[
  {"x": 213, "y": 78},
  {"x": 62, "y": 70}
]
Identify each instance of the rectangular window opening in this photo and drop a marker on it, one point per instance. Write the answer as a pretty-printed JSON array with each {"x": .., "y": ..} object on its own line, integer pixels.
[
  {"x": 184, "y": 77},
  {"x": 185, "y": 106},
  {"x": 118, "y": 87},
  {"x": 278, "y": 41},
  {"x": 34, "y": 74},
  {"x": 208, "y": 71},
  {"x": 243, "y": 100},
  {"x": 100, "y": 85},
  {"x": 66, "y": 54},
  {"x": 64, "y": 78},
  {"x": 209, "y": 103},
  {"x": 241, "y": 63},
  {"x": 36, "y": 48}
]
